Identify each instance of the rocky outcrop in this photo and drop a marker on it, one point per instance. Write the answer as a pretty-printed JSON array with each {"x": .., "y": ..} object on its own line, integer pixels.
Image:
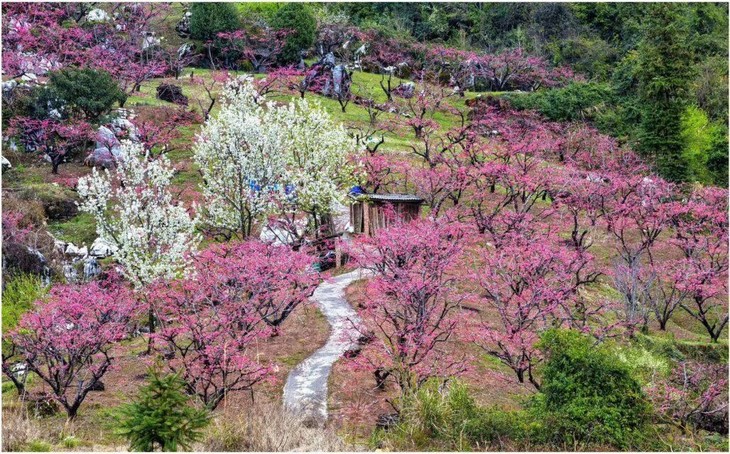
[
  {"x": 183, "y": 27},
  {"x": 108, "y": 145},
  {"x": 81, "y": 264},
  {"x": 101, "y": 248},
  {"x": 60, "y": 210},
  {"x": 19, "y": 257},
  {"x": 172, "y": 93}
]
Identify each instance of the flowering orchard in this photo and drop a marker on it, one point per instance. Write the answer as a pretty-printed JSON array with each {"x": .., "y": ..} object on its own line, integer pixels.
[{"x": 528, "y": 225}]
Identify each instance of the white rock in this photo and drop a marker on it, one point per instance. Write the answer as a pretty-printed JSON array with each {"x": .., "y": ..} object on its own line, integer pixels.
[
  {"x": 10, "y": 85},
  {"x": 19, "y": 369},
  {"x": 150, "y": 41},
  {"x": 59, "y": 245},
  {"x": 6, "y": 164},
  {"x": 72, "y": 249},
  {"x": 91, "y": 268},
  {"x": 70, "y": 273},
  {"x": 101, "y": 248},
  {"x": 106, "y": 139},
  {"x": 97, "y": 15}
]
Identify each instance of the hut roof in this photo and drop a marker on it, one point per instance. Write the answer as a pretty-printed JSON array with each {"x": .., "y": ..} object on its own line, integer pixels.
[{"x": 407, "y": 198}]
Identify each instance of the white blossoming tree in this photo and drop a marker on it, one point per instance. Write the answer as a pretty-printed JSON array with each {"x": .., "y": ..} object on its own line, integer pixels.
[
  {"x": 258, "y": 159},
  {"x": 134, "y": 210},
  {"x": 239, "y": 153},
  {"x": 317, "y": 166}
]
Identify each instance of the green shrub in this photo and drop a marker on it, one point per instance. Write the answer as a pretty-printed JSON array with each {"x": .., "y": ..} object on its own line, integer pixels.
[
  {"x": 87, "y": 91},
  {"x": 209, "y": 19},
  {"x": 576, "y": 101},
  {"x": 717, "y": 159},
  {"x": 71, "y": 442},
  {"x": 256, "y": 10},
  {"x": 161, "y": 417},
  {"x": 38, "y": 446},
  {"x": 448, "y": 418},
  {"x": 19, "y": 294},
  {"x": 297, "y": 18},
  {"x": 588, "y": 396}
]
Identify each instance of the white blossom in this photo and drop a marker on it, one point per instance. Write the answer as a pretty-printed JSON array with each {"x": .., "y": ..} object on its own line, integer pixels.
[
  {"x": 253, "y": 156},
  {"x": 134, "y": 211}
]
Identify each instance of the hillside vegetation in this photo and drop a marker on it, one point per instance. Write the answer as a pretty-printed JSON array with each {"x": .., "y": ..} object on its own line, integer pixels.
[{"x": 177, "y": 187}]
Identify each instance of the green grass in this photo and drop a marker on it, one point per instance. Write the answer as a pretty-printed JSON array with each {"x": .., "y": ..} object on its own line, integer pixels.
[
  {"x": 38, "y": 446},
  {"x": 19, "y": 293},
  {"x": 364, "y": 84},
  {"x": 79, "y": 230}
]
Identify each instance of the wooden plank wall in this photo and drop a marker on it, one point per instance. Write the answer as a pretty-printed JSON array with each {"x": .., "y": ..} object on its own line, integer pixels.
[{"x": 368, "y": 218}]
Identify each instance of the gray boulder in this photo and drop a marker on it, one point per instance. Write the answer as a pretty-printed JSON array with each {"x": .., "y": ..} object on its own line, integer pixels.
[
  {"x": 91, "y": 268},
  {"x": 101, "y": 248}
]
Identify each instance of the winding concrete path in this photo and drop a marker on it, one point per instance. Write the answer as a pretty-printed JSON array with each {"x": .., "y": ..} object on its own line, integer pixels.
[{"x": 305, "y": 391}]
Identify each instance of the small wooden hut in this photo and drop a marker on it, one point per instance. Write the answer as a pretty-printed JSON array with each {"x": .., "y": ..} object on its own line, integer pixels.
[{"x": 368, "y": 212}]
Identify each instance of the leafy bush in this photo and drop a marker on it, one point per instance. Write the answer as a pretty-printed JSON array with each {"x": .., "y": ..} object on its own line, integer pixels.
[
  {"x": 717, "y": 159},
  {"x": 19, "y": 294},
  {"x": 576, "y": 101},
  {"x": 699, "y": 136},
  {"x": 588, "y": 396},
  {"x": 209, "y": 19},
  {"x": 161, "y": 417},
  {"x": 448, "y": 418},
  {"x": 87, "y": 91},
  {"x": 299, "y": 20},
  {"x": 38, "y": 446},
  {"x": 256, "y": 10}
]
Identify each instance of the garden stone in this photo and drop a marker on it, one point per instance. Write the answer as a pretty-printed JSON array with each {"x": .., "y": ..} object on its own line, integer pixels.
[
  {"x": 183, "y": 27},
  {"x": 70, "y": 273},
  {"x": 25, "y": 259},
  {"x": 101, "y": 248},
  {"x": 10, "y": 85},
  {"x": 72, "y": 249},
  {"x": 6, "y": 165},
  {"x": 106, "y": 139},
  {"x": 172, "y": 93},
  {"x": 124, "y": 127},
  {"x": 97, "y": 15},
  {"x": 92, "y": 268}
]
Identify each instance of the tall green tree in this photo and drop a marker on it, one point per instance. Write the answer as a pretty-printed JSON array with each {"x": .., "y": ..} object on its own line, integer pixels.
[
  {"x": 298, "y": 19},
  {"x": 664, "y": 74},
  {"x": 209, "y": 19}
]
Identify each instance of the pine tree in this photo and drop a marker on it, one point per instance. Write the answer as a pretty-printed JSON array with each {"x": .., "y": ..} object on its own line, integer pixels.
[
  {"x": 664, "y": 74},
  {"x": 161, "y": 417}
]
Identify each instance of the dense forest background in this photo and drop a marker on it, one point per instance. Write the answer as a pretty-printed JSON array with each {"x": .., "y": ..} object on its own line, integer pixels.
[{"x": 656, "y": 75}]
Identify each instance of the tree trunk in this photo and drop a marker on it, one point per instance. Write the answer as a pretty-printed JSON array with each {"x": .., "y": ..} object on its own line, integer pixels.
[
  {"x": 151, "y": 323},
  {"x": 380, "y": 376}
]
